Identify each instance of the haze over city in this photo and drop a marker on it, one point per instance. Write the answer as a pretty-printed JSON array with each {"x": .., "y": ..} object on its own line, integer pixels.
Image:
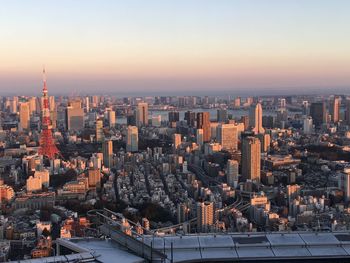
[
  {"x": 175, "y": 47},
  {"x": 155, "y": 131}
]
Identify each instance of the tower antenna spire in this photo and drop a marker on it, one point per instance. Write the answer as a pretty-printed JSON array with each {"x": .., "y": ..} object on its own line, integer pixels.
[
  {"x": 44, "y": 78},
  {"x": 47, "y": 144}
]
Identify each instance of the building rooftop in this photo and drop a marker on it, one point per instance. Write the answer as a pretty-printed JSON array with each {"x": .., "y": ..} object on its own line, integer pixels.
[
  {"x": 91, "y": 250},
  {"x": 254, "y": 246}
]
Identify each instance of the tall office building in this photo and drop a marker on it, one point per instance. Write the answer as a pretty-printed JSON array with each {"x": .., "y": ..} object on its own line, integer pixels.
[
  {"x": 87, "y": 104},
  {"x": 53, "y": 111},
  {"x": 222, "y": 115},
  {"x": 227, "y": 136},
  {"x": 347, "y": 111},
  {"x": 173, "y": 116},
  {"x": 94, "y": 177},
  {"x": 142, "y": 114},
  {"x": 13, "y": 105},
  {"x": 232, "y": 173},
  {"x": 265, "y": 141},
  {"x": 107, "y": 150},
  {"x": 318, "y": 113},
  {"x": 245, "y": 121},
  {"x": 111, "y": 118},
  {"x": 305, "y": 107},
  {"x": 32, "y": 105},
  {"x": 176, "y": 141},
  {"x": 183, "y": 212},
  {"x": 199, "y": 137},
  {"x": 203, "y": 122},
  {"x": 213, "y": 130},
  {"x": 24, "y": 116},
  {"x": 95, "y": 101},
  {"x": 255, "y": 118},
  {"x": 334, "y": 109},
  {"x": 132, "y": 139},
  {"x": 237, "y": 102},
  {"x": 251, "y": 149},
  {"x": 190, "y": 118},
  {"x": 282, "y": 104},
  {"x": 52, "y": 103},
  {"x": 344, "y": 183},
  {"x": 99, "y": 131},
  {"x": 307, "y": 125},
  {"x": 205, "y": 216},
  {"x": 74, "y": 116}
]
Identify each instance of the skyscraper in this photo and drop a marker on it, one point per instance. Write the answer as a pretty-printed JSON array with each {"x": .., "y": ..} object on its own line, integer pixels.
[
  {"x": 132, "y": 139},
  {"x": 347, "y": 112},
  {"x": 344, "y": 183},
  {"x": 203, "y": 122},
  {"x": 87, "y": 104},
  {"x": 227, "y": 136},
  {"x": 74, "y": 116},
  {"x": 334, "y": 109},
  {"x": 318, "y": 113},
  {"x": 213, "y": 130},
  {"x": 32, "y": 105},
  {"x": 173, "y": 116},
  {"x": 176, "y": 140},
  {"x": 222, "y": 115},
  {"x": 190, "y": 117},
  {"x": 13, "y": 105},
  {"x": 307, "y": 125},
  {"x": 99, "y": 131},
  {"x": 53, "y": 111},
  {"x": 237, "y": 102},
  {"x": 24, "y": 116},
  {"x": 251, "y": 149},
  {"x": 199, "y": 137},
  {"x": 232, "y": 173},
  {"x": 182, "y": 212},
  {"x": 142, "y": 114},
  {"x": 255, "y": 118},
  {"x": 107, "y": 150},
  {"x": 94, "y": 177},
  {"x": 111, "y": 118},
  {"x": 245, "y": 121},
  {"x": 305, "y": 107},
  {"x": 282, "y": 104},
  {"x": 205, "y": 216}
]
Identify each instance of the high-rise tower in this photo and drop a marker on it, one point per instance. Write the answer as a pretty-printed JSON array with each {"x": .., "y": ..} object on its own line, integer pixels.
[
  {"x": 334, "y": 109},
  {"x": 203, "y": 122},
  {"x": 251, "y": 149},
  {"x": 255, "y": 119},
  {"x": 47, "y": 145}
]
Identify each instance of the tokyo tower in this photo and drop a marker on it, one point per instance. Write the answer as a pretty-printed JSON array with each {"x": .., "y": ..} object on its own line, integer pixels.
[{"x": 47, "y": 144}]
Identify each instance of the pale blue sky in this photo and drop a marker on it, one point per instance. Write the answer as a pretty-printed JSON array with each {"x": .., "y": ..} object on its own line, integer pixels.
[{"x": 182, "y": 45}]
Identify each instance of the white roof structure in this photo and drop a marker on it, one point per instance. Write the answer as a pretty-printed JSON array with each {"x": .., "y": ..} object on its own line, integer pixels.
[
  {"x": 253, "y": 246},
  {"x": 209, "y": 247}
]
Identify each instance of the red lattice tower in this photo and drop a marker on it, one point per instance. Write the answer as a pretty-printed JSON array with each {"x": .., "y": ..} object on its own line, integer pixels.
[{"x": 47, "y": 144}]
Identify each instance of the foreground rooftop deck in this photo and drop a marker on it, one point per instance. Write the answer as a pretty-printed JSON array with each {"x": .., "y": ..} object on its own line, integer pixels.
[{"x": 253, "y": 246}]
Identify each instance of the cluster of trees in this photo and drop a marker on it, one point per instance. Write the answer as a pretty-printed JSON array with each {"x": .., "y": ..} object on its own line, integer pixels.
[{"x": 59, "y": 180}]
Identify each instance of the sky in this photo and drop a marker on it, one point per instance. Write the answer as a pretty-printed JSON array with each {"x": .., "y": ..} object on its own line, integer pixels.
[{"x": 174, "y": 46}]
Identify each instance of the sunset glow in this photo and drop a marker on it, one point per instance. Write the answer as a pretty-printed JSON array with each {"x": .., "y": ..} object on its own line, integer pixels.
[{"x": 144, "y": 44}]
